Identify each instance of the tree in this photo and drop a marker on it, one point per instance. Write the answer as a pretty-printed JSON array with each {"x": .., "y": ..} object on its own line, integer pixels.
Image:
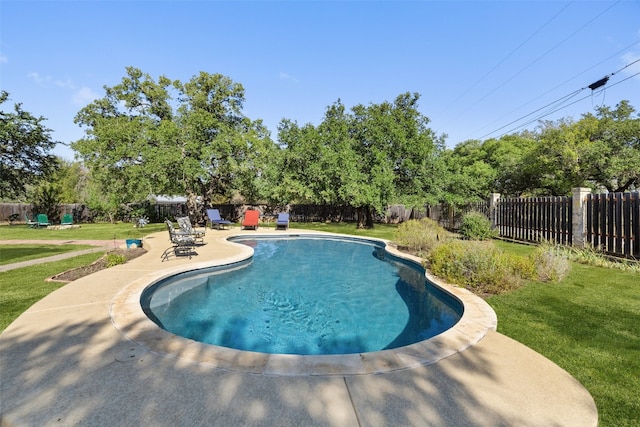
[
  {"x": 368, "y": 158},
  {"x": 24, "y": 150},
  {"x": 399, "y": 157},
  {"x": 601, "y": 150},
  {"x": 149, "y": 137},
  {"x": 613, "y": 154}
]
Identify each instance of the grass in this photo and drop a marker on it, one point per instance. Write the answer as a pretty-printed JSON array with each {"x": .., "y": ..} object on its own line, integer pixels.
[
  {"x": 98, "y": 231},
  {"x": 589, "y": 324},
  {"x": 380, "y": 231},
  {"x": 18, "y": 253},
  {"x": 23, "y": 287}
]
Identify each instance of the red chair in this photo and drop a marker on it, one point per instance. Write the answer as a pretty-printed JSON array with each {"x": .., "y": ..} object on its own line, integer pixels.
[{"x": 251, "y": 219}]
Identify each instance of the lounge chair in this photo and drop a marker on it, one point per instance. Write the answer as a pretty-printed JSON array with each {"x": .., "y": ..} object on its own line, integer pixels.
[
  {"x": 182, "y": 244},
  {"x": 251, "y": 219},
  {"x": 67, "y": 219},
  {"x": 185, "y": 226},
  {"x": 283, "y": 221},
  {"x": 43, "y": 220},
  {"x": 30, "y": 223},
  {"x": 215, "y": 219}
]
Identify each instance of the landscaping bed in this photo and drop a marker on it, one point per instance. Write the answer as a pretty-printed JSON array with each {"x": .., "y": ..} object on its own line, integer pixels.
[{"x": 100, "y": 264}]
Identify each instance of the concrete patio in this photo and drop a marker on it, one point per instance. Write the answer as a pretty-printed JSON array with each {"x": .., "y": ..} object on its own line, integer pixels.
[{"x": 85, "y": 355}]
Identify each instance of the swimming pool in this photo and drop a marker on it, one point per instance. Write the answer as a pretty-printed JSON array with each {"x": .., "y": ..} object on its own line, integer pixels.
[{"x": 306, "y": 296}]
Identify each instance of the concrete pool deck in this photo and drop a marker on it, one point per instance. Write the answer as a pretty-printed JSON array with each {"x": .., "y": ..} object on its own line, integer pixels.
[{"x": 85, "y": 356}]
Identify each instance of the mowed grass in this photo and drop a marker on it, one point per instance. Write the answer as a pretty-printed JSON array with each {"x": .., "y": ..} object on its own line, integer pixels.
[
  {"x": 380, "y": 231},
  {"x": 97, "y": 231},
  {"x": 17, "y": 253},
  {"x": 589, "y": 324},
  {"x": 22, "y": 287}
]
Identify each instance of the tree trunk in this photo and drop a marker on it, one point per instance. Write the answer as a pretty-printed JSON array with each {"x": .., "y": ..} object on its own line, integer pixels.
[
  {"x": 192, "y": 208},
  {"x": 369, "y": 220},
  {"x": 365, "y": 217},
  {"x": 360, "y": 215}
]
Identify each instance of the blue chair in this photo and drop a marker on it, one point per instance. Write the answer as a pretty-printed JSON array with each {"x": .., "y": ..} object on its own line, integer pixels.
[
  {"x": 283, "y": 221},
  {"x": 217, "y": 222}
]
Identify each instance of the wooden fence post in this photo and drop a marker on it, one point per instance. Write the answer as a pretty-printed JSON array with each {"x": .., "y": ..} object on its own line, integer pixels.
[
  {"x": 579, "y": 217},
  {"x": 493, "y": 209}
]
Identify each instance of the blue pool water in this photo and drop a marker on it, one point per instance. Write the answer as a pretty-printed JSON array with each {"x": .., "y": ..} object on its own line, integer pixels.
[{"x": 306, "y": 296}]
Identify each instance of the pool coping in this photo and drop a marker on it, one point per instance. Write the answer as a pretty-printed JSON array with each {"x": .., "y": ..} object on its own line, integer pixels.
[{"x": 127, "y": 316}]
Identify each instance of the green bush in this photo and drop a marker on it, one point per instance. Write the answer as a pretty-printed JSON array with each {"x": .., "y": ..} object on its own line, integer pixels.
[
  {"x": 420, "y": 236},
  {"x": 115, "y": 259},
  {"x": 479, "y": 266},
  {"x": 476, "y": 226}
]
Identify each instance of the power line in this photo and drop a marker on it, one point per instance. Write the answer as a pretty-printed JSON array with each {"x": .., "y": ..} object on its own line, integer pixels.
[
  {"x": 559, "y": 85},
  {"x": 565, "y": 106},
  {"x": 509, "y": 55},
  {"x": 538, "y": 59}
]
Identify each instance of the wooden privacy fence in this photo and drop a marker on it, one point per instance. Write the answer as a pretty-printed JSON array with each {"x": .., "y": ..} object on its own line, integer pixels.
[
  {"x": 608, "y": 222},
  {"x": 535, "y": 219},
  {"x": 613, "y": 223}
]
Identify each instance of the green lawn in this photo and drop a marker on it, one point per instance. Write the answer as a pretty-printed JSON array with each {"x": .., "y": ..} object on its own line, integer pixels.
[
  {"x": 99, "y": 231},
  {"x": 589, "y": 324},
  {"x": 18, "y": 253},
  {"x": 22, "y": 287}
]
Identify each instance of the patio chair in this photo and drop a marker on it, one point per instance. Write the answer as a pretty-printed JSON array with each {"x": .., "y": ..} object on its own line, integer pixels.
[
  {"x": 283, "y": 221},
  {"x": 182, "y": 244},
  {"x": 43, "y": 220},
  {"x": 185, "y": 226},
  {"x": 67, "y": 219},
  {"x": 251, "y": 219},
  {"x": 217, "y": 222},
  {"x": 30, "y": 223}
]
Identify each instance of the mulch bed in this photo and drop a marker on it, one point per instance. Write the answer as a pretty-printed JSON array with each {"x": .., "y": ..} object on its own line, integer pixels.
[{"x": 101, "y": 264}]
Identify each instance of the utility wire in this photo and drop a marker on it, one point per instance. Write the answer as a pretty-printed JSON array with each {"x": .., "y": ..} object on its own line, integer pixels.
[
  {"x": 566, "y": 97},
  {"x": 557, "y": 86},
  {"x": 565, "y": 106},
  {"x": 593, "y": 86},
  {"x": 538, "y": 59},
  {"x": 508, "y": 55}
]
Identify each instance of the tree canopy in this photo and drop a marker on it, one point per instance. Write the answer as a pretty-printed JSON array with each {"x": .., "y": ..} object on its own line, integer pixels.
[
  {"x": 159, "y": 136},
  {"x": 25, "y": 145},
  {"x": 149, "y": 137},
  {"x": 600, "y": 150},
  {"x": 367, "y": 158}
]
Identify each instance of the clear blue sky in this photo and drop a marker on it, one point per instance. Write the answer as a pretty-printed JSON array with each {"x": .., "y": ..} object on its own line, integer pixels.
[{"x": 478, "y": 65}]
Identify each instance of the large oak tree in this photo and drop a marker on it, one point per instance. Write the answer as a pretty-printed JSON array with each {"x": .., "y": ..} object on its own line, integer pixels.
[{"x": 149, "y": 137}]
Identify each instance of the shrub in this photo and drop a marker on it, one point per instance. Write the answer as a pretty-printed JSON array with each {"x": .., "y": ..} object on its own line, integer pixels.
[
  {"x": 476, "y": 226},
  {"x": 420, "y": 236},
  {"x": 479, "y": 266},
  {"x": 551, "y": 262},
  {"x": 115, "y": 259}
]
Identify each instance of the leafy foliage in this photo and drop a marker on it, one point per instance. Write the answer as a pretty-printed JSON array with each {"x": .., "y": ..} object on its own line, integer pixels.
[
  {"x": 24, "y": 150},
  {"x": 420, "y": 236},
  {"x": 479, "y": 266},
  {"x": 150, "y": 137},
  {"x": 600, "y": 150},
  {"x": 46, "y": 200},
  {"x": 366, "y": 158},
  {"x": 476, "y": 226}
]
